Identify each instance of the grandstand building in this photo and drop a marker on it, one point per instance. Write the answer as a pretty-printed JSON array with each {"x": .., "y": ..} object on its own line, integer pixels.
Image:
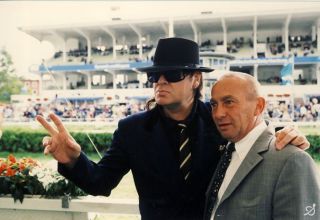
[{"x": 96, "y": 62}]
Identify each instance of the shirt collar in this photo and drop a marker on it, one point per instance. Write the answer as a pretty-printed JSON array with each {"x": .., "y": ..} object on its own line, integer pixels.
[{"x": 244, "y": 145}]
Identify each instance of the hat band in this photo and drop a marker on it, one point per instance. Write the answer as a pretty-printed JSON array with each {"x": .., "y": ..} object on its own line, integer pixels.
[{"x": 180, "y": 64}]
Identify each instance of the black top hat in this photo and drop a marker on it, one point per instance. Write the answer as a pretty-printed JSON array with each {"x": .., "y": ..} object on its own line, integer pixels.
[{"x": 176, "y": 54}]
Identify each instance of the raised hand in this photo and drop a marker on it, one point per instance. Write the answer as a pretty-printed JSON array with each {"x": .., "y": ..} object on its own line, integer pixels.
[{"x": 60, "y": 144}]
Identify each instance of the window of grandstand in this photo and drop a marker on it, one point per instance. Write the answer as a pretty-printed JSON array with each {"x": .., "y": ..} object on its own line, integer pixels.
[
  {"x": 269, "y": 75},
  {"x": 102, "y": 80},
  {"x": 305, "y": 74}
]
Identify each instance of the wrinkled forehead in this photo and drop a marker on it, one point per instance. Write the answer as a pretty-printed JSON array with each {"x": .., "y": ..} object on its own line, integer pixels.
[
  {"x": 229, "y": 86},
  {"x": 229, "y": 82}
]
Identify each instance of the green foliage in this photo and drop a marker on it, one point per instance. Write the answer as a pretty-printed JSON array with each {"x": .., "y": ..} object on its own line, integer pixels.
[
  {"x": 9, "y": 83},
  {"x": 314, "y": 149},
  {"x": 101, "y": 140},
  {"x": 31, "y": 141},
  {"x": 19, "y": 140},
  {"x": 19, "y": 185}
]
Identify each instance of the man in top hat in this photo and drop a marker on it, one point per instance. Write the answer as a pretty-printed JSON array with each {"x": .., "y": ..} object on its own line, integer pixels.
[{"x": 172, "y": 149}]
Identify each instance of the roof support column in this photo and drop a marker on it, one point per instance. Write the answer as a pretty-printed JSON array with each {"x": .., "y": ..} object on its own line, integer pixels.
[
  {"x": 286, "y": 35},
  {"x": 86, "y": 36},
  {"x": 64, "y": 46},
  {"x": 148, "y": 39},
  {"x": 318, "y": 73},
  {"x": 255, "y": 38},
  {"x": 165, "y": 29},
  {"x": 318, "y": 34},
  {"x": 64, "y": 51},
  {"x": 171, "y": 27},
  {"x": 114, "y": 43},
  {"x": 64, "y": 81},
  {"x": 113, "y": 76},
  {"x": 138, "y": 32},
  {"x": 89, "y": 75},
  {"x": 224, "y": 29},
  {"x": 255, "y": 70},
  {"x": 195, "y": 31},
  {"x": 139, "y": 76}
]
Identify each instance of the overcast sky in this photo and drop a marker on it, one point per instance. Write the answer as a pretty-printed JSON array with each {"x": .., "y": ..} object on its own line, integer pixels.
[{"x": 27, "y": 51}]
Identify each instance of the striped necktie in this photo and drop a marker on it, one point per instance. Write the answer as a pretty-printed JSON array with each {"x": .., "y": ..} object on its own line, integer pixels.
[
  {"x": 218, "y": 179},
  {"x": 184, "y": 152}
]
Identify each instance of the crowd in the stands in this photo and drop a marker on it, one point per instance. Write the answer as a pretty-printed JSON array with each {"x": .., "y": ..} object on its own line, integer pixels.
[{"x": 275, "y": 111}]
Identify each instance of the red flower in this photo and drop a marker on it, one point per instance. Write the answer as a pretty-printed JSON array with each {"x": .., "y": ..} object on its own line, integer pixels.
[
  {"x": 11, "y": 167},
  {"x": 21, "y": 167},
  {"x": 11, "y": 158},
  {"x": 3, "y": 167},
  {"x": 10, "y": 172}
]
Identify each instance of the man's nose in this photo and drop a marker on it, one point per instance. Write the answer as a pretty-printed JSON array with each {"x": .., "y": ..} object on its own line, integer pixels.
[{"x": 219, "y": 112}]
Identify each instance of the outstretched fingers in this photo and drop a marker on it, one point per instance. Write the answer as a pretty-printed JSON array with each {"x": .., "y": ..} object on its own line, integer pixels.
[
  {"x": 56, "y": 120},
  {"x": 52, "y": 131}
]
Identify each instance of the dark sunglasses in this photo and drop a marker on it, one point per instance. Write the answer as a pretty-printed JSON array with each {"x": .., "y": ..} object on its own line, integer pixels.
[{"x": 170, "y": 76}]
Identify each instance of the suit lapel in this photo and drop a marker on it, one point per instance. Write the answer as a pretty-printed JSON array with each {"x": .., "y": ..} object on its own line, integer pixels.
[
  {"x": 252, "y": 159},
  {"x": 198, "y": 149},
  {"x": 161, "y": 154}
]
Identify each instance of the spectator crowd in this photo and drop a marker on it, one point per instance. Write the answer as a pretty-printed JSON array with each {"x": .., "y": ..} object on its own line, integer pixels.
[
  {"x": 275, "y": 111},
  {"x": 71, "y": 112},
  {"x": 302, "y": 112}
]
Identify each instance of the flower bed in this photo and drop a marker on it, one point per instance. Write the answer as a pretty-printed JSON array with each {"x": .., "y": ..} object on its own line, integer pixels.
[{"x": 27, "y": 176}]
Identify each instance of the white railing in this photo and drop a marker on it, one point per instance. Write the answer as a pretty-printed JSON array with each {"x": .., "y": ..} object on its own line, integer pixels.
[{"x": 52, "y": 209}]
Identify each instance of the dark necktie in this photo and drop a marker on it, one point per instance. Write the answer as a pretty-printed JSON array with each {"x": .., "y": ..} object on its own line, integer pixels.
[
  {"x": 218, "y": 179},
  {"x": 184, "y": 152}
]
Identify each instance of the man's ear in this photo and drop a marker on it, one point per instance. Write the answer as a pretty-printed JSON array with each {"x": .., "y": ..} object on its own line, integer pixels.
[
  {"x": 197, "y": 78},
  {"x": 261, "y": 104}
]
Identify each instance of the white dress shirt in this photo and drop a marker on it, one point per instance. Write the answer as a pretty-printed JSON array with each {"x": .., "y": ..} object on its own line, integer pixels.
[{"x": 242, "y": 148}]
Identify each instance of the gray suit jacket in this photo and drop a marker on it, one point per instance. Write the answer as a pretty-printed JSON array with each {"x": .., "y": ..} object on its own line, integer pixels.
[{"x": 271, "y": 184}]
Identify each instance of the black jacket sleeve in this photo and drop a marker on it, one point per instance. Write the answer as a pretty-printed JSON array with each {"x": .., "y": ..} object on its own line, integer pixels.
[{"x": 100, "y": 178}]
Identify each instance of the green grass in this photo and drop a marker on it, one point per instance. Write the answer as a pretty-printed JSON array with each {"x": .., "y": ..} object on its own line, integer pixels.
[
  {"x": 104, "y": 127},
  {"x": 310, "y": 130},
  {"x": 89, "y": 127}
]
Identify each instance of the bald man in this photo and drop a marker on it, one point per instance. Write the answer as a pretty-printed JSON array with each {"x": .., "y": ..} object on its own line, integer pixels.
[{"x": 260, "y": 182}]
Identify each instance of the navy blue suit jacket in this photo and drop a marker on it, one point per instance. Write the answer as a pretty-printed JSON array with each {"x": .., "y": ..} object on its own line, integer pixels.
[{"x": 140, "y": 144}]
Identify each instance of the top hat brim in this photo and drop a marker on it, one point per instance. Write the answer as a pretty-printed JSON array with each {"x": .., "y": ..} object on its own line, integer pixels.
[{"x": 162, "y": 68}]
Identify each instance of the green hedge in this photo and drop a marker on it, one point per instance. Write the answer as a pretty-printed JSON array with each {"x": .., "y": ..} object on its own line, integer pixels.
[
  {"x": 314, "y": 149},
  {"x": 27, "y": 141},
  {"x": 31, "y": 141}
]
